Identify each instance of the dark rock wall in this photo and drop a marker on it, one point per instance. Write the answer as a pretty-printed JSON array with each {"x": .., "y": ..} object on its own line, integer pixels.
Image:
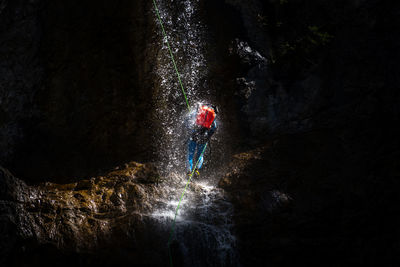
[
  {"x": 21, "y": 72},
  {"x": 310, "y": 86},
  {"x": 321, "y": 190},
  {"x": 76, "y": 86},
  {"x": 291, "y": 66},
  {"x": 315, "y": 199}
]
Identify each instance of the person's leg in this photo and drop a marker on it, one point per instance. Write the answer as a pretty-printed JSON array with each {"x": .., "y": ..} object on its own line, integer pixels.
[
  {"x": 200, "y": 155},
  {"x": 191, "y": 150}
]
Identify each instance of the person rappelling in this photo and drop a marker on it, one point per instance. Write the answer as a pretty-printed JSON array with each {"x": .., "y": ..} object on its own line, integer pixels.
[{"x": 201, "y": 124}]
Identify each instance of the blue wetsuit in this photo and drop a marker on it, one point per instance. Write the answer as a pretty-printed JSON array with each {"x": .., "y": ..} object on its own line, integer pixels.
[{"x": 197, "y": 141}]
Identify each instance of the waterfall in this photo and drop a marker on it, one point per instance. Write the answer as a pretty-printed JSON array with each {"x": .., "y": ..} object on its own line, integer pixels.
[
  {"x": 203, "y": 225},
  {"x": 185, "y": 33}
]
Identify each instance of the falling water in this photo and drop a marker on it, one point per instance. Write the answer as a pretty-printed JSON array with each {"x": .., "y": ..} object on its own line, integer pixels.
[
  {"x": 185, "y": 33},
  {"x": 203, "y": 225}
]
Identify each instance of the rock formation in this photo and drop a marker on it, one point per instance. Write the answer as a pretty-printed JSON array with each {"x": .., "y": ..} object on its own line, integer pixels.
[
  {"x": 307, "y": 151},
  {"x": 88, "y": 220}
]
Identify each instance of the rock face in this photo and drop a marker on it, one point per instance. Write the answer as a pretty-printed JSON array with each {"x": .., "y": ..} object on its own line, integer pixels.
[
  {"x": 293, "y": 65},
  {"x": 21, "y": 71},
  {"x": 75, "y": 88},
  {"x": 319, "y": 113},
  {"x": 315, "y": 199},
  {"x": 93, "y": 221},
  {"x": 308, "y": 92}
]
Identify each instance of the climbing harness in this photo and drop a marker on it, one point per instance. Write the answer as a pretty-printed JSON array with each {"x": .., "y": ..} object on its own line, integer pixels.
[{"x": 205, "y": 120}]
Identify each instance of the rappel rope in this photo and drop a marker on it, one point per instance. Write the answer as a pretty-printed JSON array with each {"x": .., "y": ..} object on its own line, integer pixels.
[
  {"x": 202, "y": 152},
  {"x": 172, "y": 56},
  {"x": 179, "y": 203}
]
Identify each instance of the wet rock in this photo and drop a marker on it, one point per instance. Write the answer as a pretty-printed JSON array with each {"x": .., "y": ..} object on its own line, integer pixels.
[
  {"x": 85, "y": 217},
  {"x": 275, "y": 200},
  {"x": 306, "y": 197},
  {"x": 248, "y": 56},
  {"x": 77, "y": 91},
  {"x": 149, "y": 174}
]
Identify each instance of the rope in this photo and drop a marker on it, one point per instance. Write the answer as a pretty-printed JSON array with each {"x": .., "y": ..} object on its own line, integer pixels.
[
  {"x": 179, "y": 203},
  {"x": 172, "y": 56},
  {"x": 202, "y": 152}
]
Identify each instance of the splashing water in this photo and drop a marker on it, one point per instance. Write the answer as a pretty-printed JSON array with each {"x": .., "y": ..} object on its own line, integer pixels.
[
  {"x": 203, "y": 222},
  {"x": 185, "y": 33}
]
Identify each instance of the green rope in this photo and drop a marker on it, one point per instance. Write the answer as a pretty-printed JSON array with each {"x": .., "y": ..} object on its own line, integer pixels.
[
  {"x": 188, "y": 106},
  {"x": 179, "y": 203},
  {"x": 172, "y": 56}
]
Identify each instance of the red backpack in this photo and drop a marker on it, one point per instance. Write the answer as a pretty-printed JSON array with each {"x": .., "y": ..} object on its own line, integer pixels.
[{"x": 205, "y": 117}]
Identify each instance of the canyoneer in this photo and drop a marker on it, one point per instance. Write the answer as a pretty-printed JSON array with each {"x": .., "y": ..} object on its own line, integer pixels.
[{"x": 201, "y": 124}]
